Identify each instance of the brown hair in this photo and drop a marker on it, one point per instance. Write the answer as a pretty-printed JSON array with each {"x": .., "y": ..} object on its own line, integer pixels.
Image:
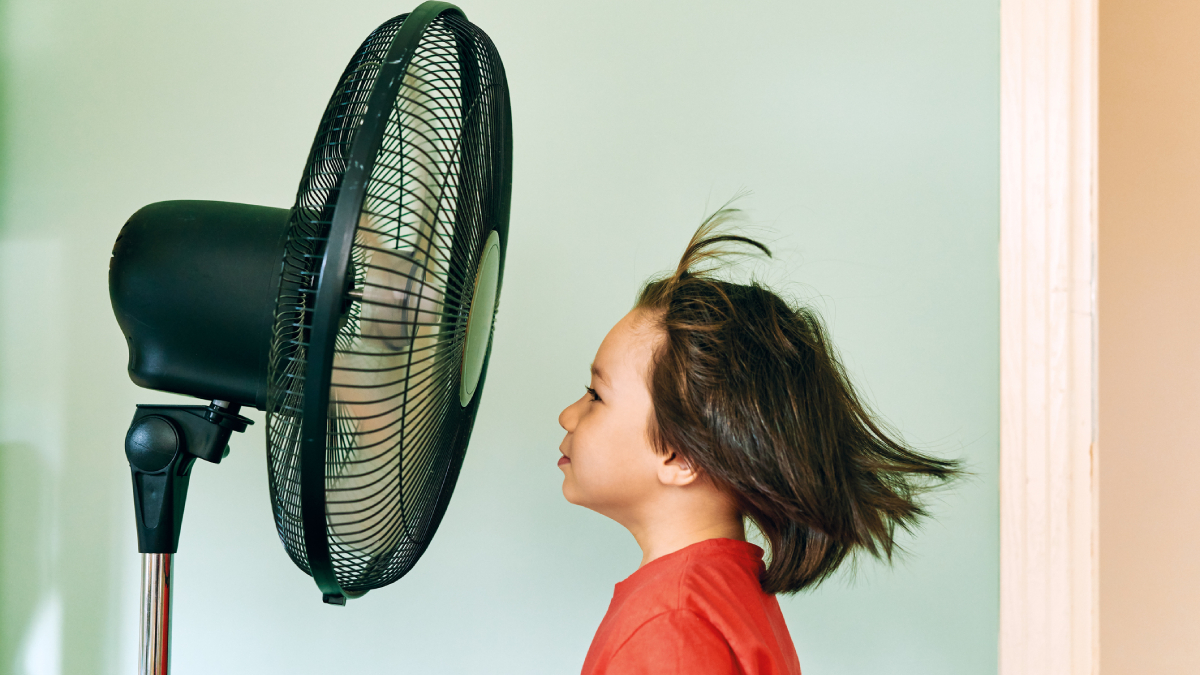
[{"x": 749, "y": 389}]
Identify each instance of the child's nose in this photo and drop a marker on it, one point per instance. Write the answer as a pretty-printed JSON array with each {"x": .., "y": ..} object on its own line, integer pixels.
[{"x": 567, "y": 418}]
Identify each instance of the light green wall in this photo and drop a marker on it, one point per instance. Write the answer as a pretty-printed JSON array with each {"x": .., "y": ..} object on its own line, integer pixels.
[{"x": 867, "y": 129}]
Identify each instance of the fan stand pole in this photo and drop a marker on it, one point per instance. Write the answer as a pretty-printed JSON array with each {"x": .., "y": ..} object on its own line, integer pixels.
[
  {"x": 162, "y": 444},
  {"x": 154, "y": 656}
]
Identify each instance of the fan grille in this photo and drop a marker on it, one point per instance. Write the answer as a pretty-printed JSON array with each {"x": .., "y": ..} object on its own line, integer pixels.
[{"x": 396, "y": 431}]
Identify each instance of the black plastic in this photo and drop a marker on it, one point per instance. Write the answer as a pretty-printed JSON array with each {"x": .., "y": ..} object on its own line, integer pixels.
[
  {"x": 161, "y": 445},
  {"x": 193, "y": 286}
]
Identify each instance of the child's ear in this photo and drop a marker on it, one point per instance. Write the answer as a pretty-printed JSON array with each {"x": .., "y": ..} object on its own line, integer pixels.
[{"x": 677, "y": 471}]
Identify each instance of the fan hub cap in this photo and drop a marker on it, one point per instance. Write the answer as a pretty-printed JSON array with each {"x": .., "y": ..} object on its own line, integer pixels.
[{"x": 479, "y": 324}]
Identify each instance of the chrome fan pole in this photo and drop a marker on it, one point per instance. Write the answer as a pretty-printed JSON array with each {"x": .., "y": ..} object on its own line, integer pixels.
[
  {"x": 162, "y": 444},
  {"x": 155, "y": 651}
]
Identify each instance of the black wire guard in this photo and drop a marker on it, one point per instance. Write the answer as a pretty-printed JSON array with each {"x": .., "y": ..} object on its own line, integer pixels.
[{"x": 311, "y": 327}]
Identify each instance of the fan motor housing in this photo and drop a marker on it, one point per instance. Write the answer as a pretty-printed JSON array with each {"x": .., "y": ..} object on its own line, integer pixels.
[{"x": 193, "y": 286}]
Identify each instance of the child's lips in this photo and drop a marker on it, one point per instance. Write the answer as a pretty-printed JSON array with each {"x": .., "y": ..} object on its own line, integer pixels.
[{"x": 564, "y": 460}]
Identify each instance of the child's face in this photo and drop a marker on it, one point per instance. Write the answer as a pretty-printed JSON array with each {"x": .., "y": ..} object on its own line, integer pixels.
[{"x": 608, "y": 460}]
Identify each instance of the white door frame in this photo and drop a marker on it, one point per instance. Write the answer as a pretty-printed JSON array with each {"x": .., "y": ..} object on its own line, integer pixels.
[{"x": 1048, "y": 480}]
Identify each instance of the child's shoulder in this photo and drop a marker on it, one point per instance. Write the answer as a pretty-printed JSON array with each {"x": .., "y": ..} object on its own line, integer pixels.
[
  {"x": 706, "y": 576},
  {"x": 700, "y": 605}
]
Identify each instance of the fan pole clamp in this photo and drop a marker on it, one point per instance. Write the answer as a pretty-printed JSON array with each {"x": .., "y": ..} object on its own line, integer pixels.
[{"x": 162, "y": 443}]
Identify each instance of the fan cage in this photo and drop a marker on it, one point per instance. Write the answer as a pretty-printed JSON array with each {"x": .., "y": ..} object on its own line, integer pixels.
[{"x": 396, "y": 433}]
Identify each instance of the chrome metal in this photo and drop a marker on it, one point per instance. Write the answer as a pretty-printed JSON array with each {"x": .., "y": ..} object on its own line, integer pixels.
[{"x": 155, "y": 652}]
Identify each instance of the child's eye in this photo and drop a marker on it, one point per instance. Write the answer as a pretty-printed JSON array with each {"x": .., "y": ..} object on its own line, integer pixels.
[{"x": 592, "y": 392}]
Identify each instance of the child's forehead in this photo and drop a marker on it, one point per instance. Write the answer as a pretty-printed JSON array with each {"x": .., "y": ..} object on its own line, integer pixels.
[{"x": 627, "y": 349}]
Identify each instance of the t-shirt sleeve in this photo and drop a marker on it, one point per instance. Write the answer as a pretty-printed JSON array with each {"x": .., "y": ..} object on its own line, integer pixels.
[{"x": 674, "y": 643}]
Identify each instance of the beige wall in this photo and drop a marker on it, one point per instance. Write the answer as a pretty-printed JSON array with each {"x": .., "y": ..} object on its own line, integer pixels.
[{"x": 1149, "y": 308}]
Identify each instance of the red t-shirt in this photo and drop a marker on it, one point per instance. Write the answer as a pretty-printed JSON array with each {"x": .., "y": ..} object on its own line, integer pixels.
[{"x": 697, "y": 611}]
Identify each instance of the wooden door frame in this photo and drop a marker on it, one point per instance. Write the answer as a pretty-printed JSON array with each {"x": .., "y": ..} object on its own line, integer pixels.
[{"x": 1048, "y": 214}]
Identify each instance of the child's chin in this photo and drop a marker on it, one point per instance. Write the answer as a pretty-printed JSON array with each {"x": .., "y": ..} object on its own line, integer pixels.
[
  {"x": 572, "y": 493},
  {"x": 568, "y": 492}
]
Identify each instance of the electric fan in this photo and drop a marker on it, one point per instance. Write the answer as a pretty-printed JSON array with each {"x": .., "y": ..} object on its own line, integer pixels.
[{"x": 360, "y": 320}]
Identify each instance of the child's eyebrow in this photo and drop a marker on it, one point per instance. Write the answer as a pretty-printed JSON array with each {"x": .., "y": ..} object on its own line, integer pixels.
[{"x": 597, "y": 373}]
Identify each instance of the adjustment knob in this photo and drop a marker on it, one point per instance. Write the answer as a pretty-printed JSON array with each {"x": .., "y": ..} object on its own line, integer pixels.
[{"x": 151, "y": 443}]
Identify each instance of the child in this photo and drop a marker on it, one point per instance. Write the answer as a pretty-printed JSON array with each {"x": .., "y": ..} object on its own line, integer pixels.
[{"x": 709, "y": 404}]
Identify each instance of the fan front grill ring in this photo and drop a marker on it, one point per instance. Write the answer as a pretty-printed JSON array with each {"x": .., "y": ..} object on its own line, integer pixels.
[{"x": 439, "y": 186}]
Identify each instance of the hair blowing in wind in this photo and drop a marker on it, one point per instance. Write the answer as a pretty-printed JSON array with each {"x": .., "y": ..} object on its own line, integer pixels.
[{"x": 749, "y": 389}]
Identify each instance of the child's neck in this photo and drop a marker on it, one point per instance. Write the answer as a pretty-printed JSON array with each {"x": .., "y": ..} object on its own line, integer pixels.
[{"x": 669, "y": 530}]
